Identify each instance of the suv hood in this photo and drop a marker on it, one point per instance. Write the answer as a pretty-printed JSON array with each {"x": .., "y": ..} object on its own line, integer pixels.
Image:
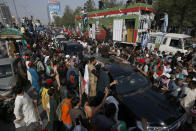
[{"x": 152, "y": 106}]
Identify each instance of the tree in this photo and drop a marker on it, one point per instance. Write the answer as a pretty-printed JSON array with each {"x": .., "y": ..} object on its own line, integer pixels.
[
  {"x": 77, "y": 10},
  {"x": 57, "y": 21},
  {"x": 90, "y": 5},
  {"x": 182, "y": 13},
  {"x": 112, "y": 3},
  {"x": 67, "y": 18}
]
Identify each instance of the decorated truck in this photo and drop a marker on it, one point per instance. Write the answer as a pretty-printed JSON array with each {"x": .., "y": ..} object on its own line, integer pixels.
[{"x": 127, "y": 24}]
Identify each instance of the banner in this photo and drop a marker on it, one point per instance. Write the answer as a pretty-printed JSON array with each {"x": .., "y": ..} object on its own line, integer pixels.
[{"x": 54, "y": 10}]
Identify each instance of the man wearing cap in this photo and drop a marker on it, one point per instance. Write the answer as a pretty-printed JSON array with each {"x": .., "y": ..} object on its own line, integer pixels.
[
  {"x": 73, "y": 61},
  {"x": 68, "y": 62},
  {"x": 176, "y": 86},
  {"x": 39, "y": 64},
  {"x": 34, "y": 76},
  {"x": 165, "y": 82},
  {"x": 27, "y": 65},
  {"x": 188, "y": 101},
  {"x": 45, "y": 96},
  {"x": 179, "y": 73}
]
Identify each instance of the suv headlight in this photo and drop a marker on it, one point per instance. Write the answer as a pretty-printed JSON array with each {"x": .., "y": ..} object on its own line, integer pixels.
[{"x": 150, "y": 127}]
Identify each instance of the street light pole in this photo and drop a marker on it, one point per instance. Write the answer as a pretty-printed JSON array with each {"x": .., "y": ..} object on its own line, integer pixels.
[{"x": 18, "y": 19}]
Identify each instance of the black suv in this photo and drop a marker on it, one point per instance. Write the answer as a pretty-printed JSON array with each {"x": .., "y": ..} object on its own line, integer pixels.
[
  {"x": 138, "y": 101},
  {"x": 72, "y": 47}
]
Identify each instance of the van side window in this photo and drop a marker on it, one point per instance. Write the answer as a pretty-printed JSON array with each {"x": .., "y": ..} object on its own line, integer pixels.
[
  {"x": 176, "y": 43},
  {"x": 164, "y": 41}
]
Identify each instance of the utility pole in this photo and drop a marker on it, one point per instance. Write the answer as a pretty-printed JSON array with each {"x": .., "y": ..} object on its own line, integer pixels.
[
  {"x": 48, "y": 15},
  {"x": 17, "y": 16}
]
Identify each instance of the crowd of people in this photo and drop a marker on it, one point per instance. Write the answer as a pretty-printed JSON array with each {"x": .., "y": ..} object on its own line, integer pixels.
[{"x": 74, "y": 89}]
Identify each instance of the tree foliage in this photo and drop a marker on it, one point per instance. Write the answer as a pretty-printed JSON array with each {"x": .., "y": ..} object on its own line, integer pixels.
[
  {"x": 112, "y": 3},
  {"x": 68, "y": 17},
  {"x": 90, "y": 5},
  {"x": 182, "y": 13}
]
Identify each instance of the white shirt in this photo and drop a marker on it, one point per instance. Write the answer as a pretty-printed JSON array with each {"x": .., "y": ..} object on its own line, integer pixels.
[
  {"x": 25, "y": 109},
  {"x": 28, "y": 73},
  {"x": 86, "y": 78},
  {"x": 167, "y": 69},
  {"x": 188, "y": 101},
  {"x": 46, "y": 59},
  {"x": 118, "y": 53},
  {"x": 146, "y": 68}
]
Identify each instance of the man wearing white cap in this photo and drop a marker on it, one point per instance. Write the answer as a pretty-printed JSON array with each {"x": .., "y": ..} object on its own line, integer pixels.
[
  {"x": 67, "y": 56},
  {"x": 165, "y": 82},
  {"x": 73, "y": 61}
]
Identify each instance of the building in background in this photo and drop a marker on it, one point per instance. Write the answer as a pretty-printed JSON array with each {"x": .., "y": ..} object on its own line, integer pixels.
[
  {"x": 54, "y": 10},
  {"x": 5, "y": 15},
  {"x": 125, "y": 24}
]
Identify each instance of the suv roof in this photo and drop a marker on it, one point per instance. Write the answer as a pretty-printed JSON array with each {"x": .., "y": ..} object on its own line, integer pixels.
[{"x": 177, "y": 35}]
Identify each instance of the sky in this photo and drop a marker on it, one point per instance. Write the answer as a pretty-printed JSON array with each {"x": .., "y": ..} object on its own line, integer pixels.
[{"x": 38, "y": 8}]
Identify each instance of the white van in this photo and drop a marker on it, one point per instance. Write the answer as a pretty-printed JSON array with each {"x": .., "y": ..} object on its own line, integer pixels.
[{"x": 176, "y": 42}]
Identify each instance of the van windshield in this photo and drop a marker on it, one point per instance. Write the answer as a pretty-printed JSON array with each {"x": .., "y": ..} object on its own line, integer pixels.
[
  {"x": 176, "y": 43},
  {"x": 187, "y": 43}
]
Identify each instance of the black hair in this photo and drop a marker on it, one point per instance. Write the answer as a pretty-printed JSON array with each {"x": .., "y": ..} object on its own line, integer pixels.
[
  {"x": 72, "y": 73},
  {"x": 178, "y": 79},
  {"x": 51, "y": 91},
  {"x": 18, "y": 89},
  {"x": 42, "y": 72},
  {"x": 92, "y": 59},
  {"x": 70, "y": 94},
  {"x": 92, "y": 101},
  {"x": 110, "y": 110},
  {"x": 190, "y": 76},
  {"x": 193, "y": 83},
  {"x": 55, "y": 62},
  {"x": 75, "y": 101},
  {"x": 48, "y": 62}
]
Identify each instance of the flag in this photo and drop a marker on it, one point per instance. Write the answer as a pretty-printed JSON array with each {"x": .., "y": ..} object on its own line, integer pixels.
[
  {"x": 82, "y": 84},
  {"x": 66, "y": 30}
]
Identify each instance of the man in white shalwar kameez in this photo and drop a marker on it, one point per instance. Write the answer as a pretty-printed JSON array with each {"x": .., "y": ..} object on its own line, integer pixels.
[
  {"x": 28, "y": 73},
  {"x": 24, "y": 110},
  {"x": 189, "y": 100},
  {"x": 86, "y": 78}
]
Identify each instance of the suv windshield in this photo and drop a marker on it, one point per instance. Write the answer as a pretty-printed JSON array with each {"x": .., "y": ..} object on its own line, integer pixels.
[
  {"x": 187, "y": 43},
  {"x": 5, "y": 71},
  {"x": 132, "y": 82}
]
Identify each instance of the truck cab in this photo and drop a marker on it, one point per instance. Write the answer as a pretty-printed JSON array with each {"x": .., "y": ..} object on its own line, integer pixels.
[
  {"x": 6, "y": 76},
  {"x": 172, "y": 42}
]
